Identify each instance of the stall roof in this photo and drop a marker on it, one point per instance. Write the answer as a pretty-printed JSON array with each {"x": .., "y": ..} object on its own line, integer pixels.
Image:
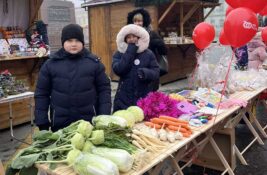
[
  {"x": 92, "y": 3},
  {"x": 99, "y": 2}
]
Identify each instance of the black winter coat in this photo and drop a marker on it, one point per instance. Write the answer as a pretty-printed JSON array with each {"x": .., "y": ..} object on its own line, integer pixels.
[
  {"x": 131, "y": 87},
  {"x": 157, "y": 44},
  {"x": 74, "y": 87}
]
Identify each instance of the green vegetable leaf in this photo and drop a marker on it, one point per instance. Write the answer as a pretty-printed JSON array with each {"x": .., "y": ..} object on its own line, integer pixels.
[
  {"x": 42, "y": 135},
  {"x": 29, "y": 171},
  {"x": 11, "y": 171},
  {"x": 25, "y": 161},
  {"x": 52, "y": 166},
  {"x": 49, "y": 157}
]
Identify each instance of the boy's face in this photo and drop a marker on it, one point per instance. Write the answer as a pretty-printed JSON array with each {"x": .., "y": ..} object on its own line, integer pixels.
[
  {"x": 73, "y": 46},
  {"x": 131, "y": 38}
]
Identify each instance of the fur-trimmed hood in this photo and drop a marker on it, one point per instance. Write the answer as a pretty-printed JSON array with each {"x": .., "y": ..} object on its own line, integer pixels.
[
  {"x": 143, "y": 41},
  {"x": 144, "y": 13}
]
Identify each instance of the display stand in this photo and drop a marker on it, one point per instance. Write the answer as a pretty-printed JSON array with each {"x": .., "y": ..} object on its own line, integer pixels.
[
  {"x": 188, "y": 149},
  {"x": 10, "y": 100}
]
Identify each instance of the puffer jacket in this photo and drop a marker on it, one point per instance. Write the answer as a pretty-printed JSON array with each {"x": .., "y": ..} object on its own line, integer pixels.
[
  {"x": 256, "y": 53},
  {"x": 74, "y": 87},
  {"x": 131, "y": 61},
  {"x": 156, "y": 44}
]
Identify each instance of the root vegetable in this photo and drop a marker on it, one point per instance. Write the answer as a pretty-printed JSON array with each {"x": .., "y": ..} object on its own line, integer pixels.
[
  {"x": 173, "y": 119},
  {"x": 171, "y": 137},
  {"x": 152, "y": 125}
]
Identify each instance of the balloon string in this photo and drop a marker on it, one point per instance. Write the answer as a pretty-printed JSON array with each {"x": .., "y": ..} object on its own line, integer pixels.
[
  {"x": 192, "y": 79},
  {"x": 224, "y": 85}
]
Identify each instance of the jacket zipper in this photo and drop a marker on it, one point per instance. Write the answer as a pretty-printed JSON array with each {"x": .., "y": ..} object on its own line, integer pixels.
[
  {"x": 54, "y": 111},
  {"x": 94, "y": 110}
]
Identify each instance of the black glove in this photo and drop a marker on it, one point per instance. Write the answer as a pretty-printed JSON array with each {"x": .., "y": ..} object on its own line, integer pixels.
[
  {"x": 132, "y": 48},
  {"x": 44, "y": 127}
]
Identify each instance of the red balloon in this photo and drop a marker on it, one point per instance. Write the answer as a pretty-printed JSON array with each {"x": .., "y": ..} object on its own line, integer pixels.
[
  {"x": 203, "y": 35},
  {"x": 228, "y": 10},
  {"x": 233, "y": 3},
  {"x": 254, "y": 5},
  {"x": 240, "y": 26},
  {"x": 223, "y": 40},
  {"x": 264, "y": 34},
  {"x": 264, "y": 11}
]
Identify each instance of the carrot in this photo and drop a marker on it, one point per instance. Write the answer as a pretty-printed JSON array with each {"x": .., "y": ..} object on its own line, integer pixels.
[
  {"x": 152, "y": 125},
  {"x": 173, "y": 119},
  {"x": 186, "y": 134},
  {"x": 176, "y": 128},
  {"x": 189, "y": 131},
  {"x": 167, "y": 122}
]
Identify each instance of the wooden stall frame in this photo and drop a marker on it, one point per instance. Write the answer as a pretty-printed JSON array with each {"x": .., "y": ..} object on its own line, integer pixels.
[
  {"x": 111, "y": 15},
  {"x": 193, "y": 9},
  {"x": 22, "y": 68}
]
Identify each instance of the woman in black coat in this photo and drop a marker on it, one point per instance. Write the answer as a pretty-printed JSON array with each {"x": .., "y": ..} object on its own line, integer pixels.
[
  {"x": 142, "y": 18},
  {"x": 135, "y": 64}
]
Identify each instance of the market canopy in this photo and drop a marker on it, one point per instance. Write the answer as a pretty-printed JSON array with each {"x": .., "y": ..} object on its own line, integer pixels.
[{"x": 21, "y": 13}]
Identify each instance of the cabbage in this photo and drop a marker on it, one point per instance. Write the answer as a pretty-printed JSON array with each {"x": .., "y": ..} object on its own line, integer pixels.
[
  {"x": 128, "y": 116},
  {"x": 97, "y": 137},
  {"x": 78, "y": 141},
  {"x": 88, "y": 146},
  {"x": 105, "y": 120},
  {"x": 137, "y": 112},
  {"x": 85, "y": 128},
  {"x": 120, "y": 157},
  {"x": 72, "y": 155},
  {"x": 90, "y": 164}
]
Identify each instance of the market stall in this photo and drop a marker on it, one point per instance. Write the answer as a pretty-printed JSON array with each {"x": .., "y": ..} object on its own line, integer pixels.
[
  {"x": 173, "y": 20},
  {"x": 22, "y": 58},
  {"x": 195, "y": 129}
]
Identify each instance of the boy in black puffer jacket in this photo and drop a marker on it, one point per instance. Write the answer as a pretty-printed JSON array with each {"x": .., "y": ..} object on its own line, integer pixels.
[
  {"x": 72, "y": 84},
  {"x": 136, "y": 66}
]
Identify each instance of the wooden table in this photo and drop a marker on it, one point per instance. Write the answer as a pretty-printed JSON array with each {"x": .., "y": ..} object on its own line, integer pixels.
[
  {"x": 19, "y": 58},
  {"x": 176, "y": 151},
  {"x": 12, "y": 98}
]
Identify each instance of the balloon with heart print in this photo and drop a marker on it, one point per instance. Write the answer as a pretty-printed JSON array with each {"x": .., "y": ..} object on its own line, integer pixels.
[
  {"x": 240, "y": 26},
  {"x": 203, "y": 35}
]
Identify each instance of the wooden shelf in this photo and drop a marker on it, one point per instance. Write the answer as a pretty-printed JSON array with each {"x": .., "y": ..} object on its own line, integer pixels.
[{"x": 20, "y": 58}]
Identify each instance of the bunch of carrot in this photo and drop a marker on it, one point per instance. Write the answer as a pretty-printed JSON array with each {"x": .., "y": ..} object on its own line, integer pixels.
[{"x": 170, "y": 124}]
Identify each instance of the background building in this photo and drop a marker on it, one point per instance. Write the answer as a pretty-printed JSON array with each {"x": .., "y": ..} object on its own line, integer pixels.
[{"x": 217, "y": 17}]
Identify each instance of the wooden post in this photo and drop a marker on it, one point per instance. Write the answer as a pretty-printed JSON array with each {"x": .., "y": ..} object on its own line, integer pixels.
[
  {"x": 166, "y": 12},
  {"x": 181, "y": 19},
  {"x": 211, "y": 10}
]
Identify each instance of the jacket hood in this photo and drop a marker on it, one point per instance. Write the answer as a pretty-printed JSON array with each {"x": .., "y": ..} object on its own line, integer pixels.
[
  {"x": 145, "y": 14},
  {"x": 143, "y": 41}
]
